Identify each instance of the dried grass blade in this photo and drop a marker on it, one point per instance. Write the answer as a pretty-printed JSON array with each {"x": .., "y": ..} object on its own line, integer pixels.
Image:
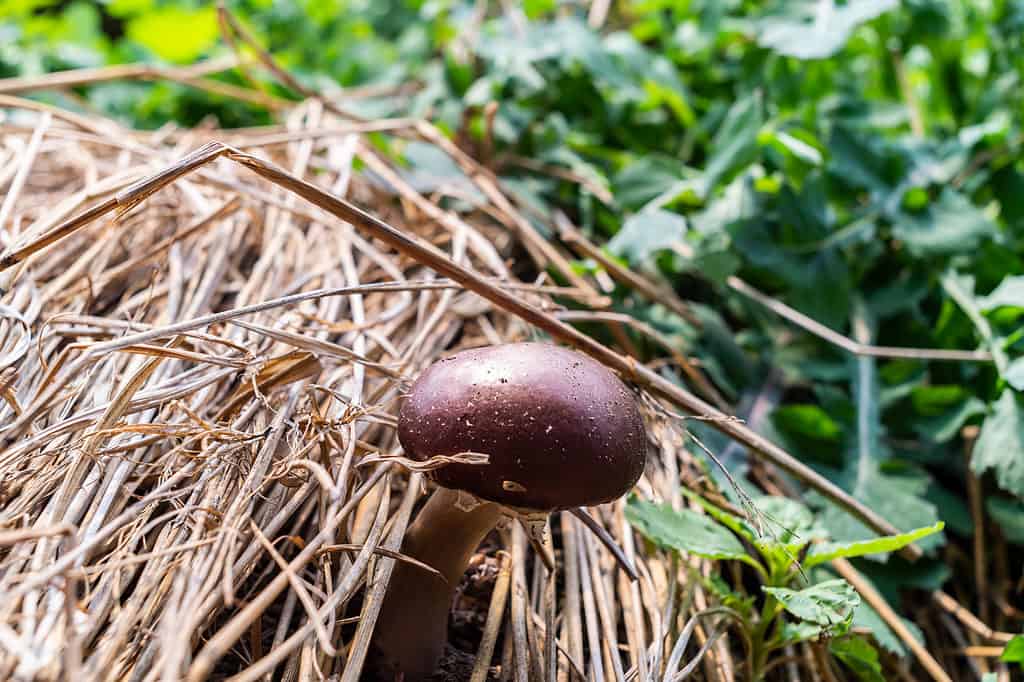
[
  {"x": 219, "y": 644},
  {"x": 314, "y": 345},
  {"x": 495, "y": 615},
  {"x": 375, "y": 599}
]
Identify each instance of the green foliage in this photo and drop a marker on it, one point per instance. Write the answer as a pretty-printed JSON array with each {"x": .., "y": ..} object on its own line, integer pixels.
[
  {"x": 685, "y": 531},
  {"x": 646, "y": 232},
  {"x": 175, "y": 34},
  {"x": 1001, "y": 444},
  {"x": 1014, "y": 651},
  {"x": 835, "y": 550},
  {"x": 1010, "y": 516},
  {"x": 828, "y": 604},
  {"x": 786, "y": 530},
  {"x": 858, "y": 655},
  {"x": 325, "y": 44}
]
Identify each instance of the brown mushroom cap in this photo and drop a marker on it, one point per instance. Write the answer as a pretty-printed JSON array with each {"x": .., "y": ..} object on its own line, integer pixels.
[{"x": 561, "y": 429}]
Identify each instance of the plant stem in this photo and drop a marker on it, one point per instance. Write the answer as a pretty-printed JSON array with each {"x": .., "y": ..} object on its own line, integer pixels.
[
  {"x": 759, "y": 645},
  {"x": 760, "y": 639}
]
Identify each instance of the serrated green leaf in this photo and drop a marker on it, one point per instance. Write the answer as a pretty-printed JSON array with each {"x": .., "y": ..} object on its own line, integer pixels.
[
  {"x": 828, "y": 604},
  {"x": 800, "y": 631},
  {"x": 684, "y": 530},
  {"x": 1000, "y": 445},
  {"x": 828, "y": 551},
  {"x": 950, "y": 223},
  {"x": 645, "y": 232},
  {"x": 858, "y": 655},
  {"x": 961, "y": 289}
]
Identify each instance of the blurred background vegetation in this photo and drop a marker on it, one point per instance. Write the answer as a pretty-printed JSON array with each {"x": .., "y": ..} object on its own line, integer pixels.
[{"x": 858, "y": 161}]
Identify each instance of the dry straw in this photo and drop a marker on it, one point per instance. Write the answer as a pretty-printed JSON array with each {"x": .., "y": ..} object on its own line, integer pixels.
[{"x": 201, "y": 354}]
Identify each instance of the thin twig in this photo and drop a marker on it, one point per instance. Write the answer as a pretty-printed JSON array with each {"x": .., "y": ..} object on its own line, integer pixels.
[{"x": 847, "y": 344}]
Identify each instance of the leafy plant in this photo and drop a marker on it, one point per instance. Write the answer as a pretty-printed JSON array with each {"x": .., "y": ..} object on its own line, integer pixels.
[{"x": 798, "y": 603}]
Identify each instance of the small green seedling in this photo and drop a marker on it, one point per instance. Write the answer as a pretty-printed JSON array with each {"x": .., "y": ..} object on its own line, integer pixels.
[{"x": 799, "y": 604}]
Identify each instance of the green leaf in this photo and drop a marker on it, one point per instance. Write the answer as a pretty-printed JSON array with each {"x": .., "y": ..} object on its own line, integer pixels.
[
  {"x": 174, "y": 33},
  {"x": 1015, "y": 374},
  {"x": 1014, "y": 651},
  {"x": 896, "y": 498},
  {"x": 934, "y": 400},
  {"x": 945, "y": 426},
  {"x": 1009, "y": 514},
  {"x": 734, "y": 523},
  {"x": 738, "y": 600},
  {"x": 1000, "y": 445},
  {"x": 735, "y": 142},
  {"x": 859, "y": 160},
  {"x": 1010, "y": 292},
  {"x": 126, "y": 8},
  {"x": 829, "y": 604},
  {"x": 535, "y": 8},
  {"x": 808, "y": 421},
  {"x": 800, "y": 631},
  {"x": 684, "y": 530},
  {"x": 858, "y": 655},
  {"x": 646, "y": 232},
  {"x": 430, "y": 169},
  {"x": 644, "y": 179},
  {"x": 889, "y": 543},
  {"x": 736, "y": 202},
  {"x": 819, "y": 28},
  {"x": 799, "y": 148},
  {"x": 898, "y": 574},
  {"x": 950, "y": 223},
  {"x": 961, "y": 289}
]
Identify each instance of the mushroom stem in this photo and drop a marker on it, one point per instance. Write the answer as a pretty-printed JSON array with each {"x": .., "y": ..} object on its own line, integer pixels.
[{"x": 412, "y": 626}]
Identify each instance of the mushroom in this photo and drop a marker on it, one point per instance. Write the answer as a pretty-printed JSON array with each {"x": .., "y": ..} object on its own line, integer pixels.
[{"x": 560, "y": 430}]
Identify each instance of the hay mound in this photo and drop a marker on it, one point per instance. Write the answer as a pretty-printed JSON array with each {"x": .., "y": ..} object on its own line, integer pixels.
[{"x": 199, "y": 367}]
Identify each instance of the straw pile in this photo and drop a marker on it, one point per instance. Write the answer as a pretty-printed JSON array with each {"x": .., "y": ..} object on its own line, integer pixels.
[{"x": 199, "y": 474}]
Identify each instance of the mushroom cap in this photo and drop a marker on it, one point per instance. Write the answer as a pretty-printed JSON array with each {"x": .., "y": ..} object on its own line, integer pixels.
[{"x": 561, "y": 430}]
